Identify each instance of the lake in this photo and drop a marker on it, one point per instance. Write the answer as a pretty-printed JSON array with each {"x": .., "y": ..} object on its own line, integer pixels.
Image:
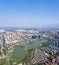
[
  {"x": 34, "y": 44},
  {"x": 19, "y": 52}
]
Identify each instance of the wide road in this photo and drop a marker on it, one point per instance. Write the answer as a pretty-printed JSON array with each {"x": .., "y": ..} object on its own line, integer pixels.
[{"x": 7, "y": 57}]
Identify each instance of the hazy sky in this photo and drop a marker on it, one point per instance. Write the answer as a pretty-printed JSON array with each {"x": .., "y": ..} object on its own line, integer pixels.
[{"x": 29, "y": 13}]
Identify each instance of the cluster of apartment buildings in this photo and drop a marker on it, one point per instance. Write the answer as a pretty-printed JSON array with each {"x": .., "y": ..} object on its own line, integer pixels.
[{"x": 20, "y": 36}]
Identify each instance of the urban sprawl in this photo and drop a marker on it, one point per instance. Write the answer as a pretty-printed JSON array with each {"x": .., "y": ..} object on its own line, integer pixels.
[{"x": 29, "y": 47}]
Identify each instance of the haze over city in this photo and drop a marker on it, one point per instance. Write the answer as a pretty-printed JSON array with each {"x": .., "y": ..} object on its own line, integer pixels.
[
  {"x": 29, "y": 32},
  {"x": 29, "y": 13}
]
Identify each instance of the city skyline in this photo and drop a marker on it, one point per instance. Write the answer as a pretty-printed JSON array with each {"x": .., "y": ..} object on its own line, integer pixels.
[{"x": 29, "y": 13}]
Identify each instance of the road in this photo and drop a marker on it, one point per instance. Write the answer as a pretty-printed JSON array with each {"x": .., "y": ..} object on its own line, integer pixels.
[{"x": 4, "y": 45}]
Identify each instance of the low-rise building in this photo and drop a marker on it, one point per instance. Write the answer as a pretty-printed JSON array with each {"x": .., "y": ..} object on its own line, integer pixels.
[{"x": 39, "y": 56}]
